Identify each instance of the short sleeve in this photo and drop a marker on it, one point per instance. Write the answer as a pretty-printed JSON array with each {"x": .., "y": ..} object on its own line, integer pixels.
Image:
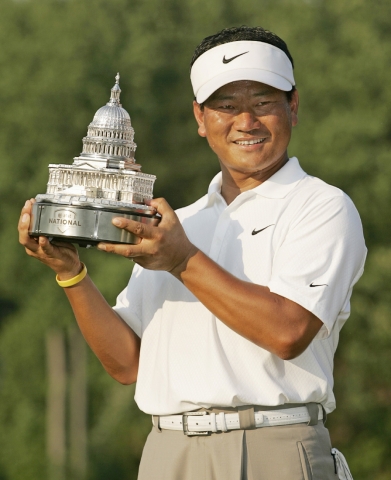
[
  {"x": 320, "y": 259},
  {"x": 129, "y": 301}
]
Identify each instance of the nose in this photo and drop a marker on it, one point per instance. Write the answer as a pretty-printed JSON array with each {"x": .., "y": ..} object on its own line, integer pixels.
[{"x": 246, "y": 121}]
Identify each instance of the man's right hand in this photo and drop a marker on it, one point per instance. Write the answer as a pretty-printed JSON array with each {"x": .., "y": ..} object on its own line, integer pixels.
[
  {"x": 112, "y": 340},
  {"x": 59, "y": 256}
]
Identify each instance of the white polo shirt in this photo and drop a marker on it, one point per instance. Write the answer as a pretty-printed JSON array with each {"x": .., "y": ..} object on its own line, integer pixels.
[{"x": 294, "y": 234}]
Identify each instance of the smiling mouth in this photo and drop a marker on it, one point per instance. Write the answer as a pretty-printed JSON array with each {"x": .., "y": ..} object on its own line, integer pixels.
[{"x": 250, "y": 142}]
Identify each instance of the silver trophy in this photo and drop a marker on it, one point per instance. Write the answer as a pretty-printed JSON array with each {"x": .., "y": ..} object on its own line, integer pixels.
[{"x": 104, "y": 182}]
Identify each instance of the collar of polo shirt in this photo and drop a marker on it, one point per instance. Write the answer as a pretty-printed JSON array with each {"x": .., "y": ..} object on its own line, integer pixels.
[
  {"x": 241, "y": 60},
  {"x": 277, "y": 186}
]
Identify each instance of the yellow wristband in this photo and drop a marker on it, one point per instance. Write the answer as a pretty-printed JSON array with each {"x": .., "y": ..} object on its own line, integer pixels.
[{"x": 74, "y": 280}]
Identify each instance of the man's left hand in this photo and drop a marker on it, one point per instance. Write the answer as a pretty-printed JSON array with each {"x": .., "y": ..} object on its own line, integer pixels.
[{"x": 162, "y": 247}]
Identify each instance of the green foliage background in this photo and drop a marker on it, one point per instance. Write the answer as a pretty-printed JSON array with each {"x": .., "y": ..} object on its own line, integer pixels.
[{"x": 58, "y": 60}]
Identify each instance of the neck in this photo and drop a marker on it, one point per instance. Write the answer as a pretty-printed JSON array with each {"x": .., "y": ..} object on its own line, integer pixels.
[{"x": 234, "y": 182}]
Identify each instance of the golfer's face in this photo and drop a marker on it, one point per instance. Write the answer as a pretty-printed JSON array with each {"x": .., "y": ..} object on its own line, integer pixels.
[{"x": 248, "y": 125}]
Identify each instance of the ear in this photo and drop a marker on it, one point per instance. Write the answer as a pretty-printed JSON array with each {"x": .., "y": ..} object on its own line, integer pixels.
[
  {"x": 294, "y": 107},
  {"x": 199, "y": 116}
]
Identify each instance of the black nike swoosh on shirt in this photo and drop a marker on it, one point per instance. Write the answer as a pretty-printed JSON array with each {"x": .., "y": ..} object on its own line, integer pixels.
[
  {"x": 321, "y": 285},
  {"x": 227, "y": 60},
  {"x": 254, "y": 232}
]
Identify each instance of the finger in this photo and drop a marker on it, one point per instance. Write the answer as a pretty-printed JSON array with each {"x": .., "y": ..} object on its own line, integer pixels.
[
  {"x": 26, "y": 208},
  {"x": 161, "y": 205},
  {"x": 140, "y": 229},
  {"x": 24, "y": 221},
  {"x": 129, "y": 250},
  {"x": 164, "y": 209},
  {"x": 125, "y": 250},
  {"x": 56, "y": 249},
  {"x": 23, "y": 227},
  {"x": 46, "y": 246},
  {"x": 58, "y": 243}
]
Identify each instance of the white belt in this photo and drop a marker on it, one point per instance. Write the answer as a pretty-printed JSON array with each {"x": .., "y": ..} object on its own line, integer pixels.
[{"x": 203, "y": 423}]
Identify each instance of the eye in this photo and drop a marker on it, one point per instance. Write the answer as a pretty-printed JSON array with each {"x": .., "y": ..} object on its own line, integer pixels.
[{"x": 226, "y": 107}]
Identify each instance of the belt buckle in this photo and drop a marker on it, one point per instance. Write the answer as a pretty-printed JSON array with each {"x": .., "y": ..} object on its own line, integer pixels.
[{"x": 186, "y": 425}]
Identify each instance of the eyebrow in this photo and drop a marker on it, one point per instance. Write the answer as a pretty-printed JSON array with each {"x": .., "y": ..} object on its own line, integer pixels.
[{"x": 261, "y": 93}]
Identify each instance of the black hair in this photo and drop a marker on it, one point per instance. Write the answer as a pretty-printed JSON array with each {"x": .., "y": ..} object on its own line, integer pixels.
[{"x": 236, "y": 34}]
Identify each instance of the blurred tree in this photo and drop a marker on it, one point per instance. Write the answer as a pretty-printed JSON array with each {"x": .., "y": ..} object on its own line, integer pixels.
[{"x": 58, "y": 62}]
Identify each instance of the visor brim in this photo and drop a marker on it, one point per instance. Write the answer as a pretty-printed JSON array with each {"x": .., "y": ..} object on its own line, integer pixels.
[{"x": 256, "y": 75}]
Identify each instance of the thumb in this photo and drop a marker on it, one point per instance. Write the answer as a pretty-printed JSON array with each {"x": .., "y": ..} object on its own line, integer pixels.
[{"x": 162, "y": 207}]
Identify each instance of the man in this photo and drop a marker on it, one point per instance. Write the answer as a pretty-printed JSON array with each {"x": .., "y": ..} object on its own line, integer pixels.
[{"x": 234, "y": 309}]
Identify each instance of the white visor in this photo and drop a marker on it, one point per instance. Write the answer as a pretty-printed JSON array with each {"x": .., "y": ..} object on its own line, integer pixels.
[{"x": 242, "y": 60}]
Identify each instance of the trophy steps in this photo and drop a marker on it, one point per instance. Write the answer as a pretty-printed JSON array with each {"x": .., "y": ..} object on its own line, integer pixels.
[{"x": 86, "y": 221}]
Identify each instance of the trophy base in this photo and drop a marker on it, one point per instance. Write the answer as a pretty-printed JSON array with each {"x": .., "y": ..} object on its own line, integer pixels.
[{"x": 86, "y": 221}]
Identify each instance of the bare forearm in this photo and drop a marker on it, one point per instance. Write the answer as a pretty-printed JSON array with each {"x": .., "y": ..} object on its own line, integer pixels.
[
  {"x": 110, "y": 338},
  {"x": 270, "y": 321},
  {"x": 114, "y": 343},
  {"x": 266, "y": 319}
]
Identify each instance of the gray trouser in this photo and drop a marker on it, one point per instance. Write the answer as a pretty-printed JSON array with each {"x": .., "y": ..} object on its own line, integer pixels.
[{"x": 291, "y": 452}]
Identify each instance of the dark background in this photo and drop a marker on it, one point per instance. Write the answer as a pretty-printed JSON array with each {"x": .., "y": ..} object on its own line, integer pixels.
[{"x": 58, "y": 61}]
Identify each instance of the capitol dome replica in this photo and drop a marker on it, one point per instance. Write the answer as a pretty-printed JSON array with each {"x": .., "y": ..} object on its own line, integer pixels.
[
  {"x": 106, "y": 168},
  {"x": 105, "y": 181}
]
